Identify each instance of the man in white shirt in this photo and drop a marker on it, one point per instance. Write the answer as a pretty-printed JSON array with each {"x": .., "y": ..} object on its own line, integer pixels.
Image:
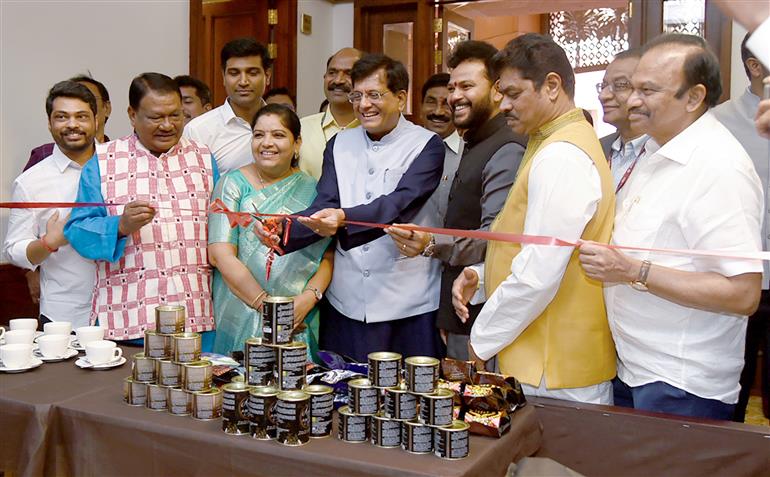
[
  {"x": 543, "y": 319},
  {"x": 35, "y": 236},
  {"x": 226, "y": 130},
  {"x": 679, "y": 321}
]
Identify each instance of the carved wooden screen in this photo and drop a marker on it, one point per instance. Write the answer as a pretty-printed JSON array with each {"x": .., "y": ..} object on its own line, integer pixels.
[{"x": 590, "y": 37}]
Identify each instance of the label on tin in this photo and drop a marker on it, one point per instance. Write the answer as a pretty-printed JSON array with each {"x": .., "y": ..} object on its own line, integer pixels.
[
  {"x": 423, "y": 378},
  {"x": 179, "y": 402},
  {"x": 261, "y": 412},
  {"x": 138, "y": 394},
  {"x": 291, "y": 422},
  {"x": 366, "y": 402},
  {"x": 156, "y": 346},
  {"x": 321, "y": 409},
  {"x": 261, "y": 364},
  {"x": 292, "y": 367},
  {"x": 168, "y": 374},
  {"x": 386, "y": 432},
  {"x": 386, "y": 374},
  {"x": 436, "y": 411},
  {"x": 352, "y": 428},
  {"x": 277, "y": 322},
  {"x": 417, "y": 438},
  {"x": 235, "y": 406},
  {"x": 207, "y": 406},
  {"x": 188, "y": 349},
  {"x": 400, "y": 405},
  {"x": 157, "y": 398},
  {"x": 144, "y": 370},
  {"x": 451, "y": 445}
]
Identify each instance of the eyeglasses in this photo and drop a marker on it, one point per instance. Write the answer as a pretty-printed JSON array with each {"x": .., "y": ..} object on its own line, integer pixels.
[
  {"x": 373, "y": 96},
  {"x": 615, "y": 87}
]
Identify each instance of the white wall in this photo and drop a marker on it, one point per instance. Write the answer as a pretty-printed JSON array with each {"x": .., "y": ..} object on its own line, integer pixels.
[
  {"x": 332, "y": 30},
  {"x": 42, "y": 42}
]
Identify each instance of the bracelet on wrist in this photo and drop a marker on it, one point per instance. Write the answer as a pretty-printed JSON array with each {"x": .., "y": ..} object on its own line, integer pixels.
[
  {"x": 429, "y": 249},
  {"x": 47, "y": 247},
  {"x": 256, "y": 299}
]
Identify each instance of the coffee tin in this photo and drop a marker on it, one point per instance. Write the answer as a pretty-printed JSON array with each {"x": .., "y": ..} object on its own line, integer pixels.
[
  {"x": 384, "y": 369},
  {"x": 385, "y": 432},
  {"x": 452, "y": 442},
  {"x": 292, "y": 418},
  {"x": 416, "y": 437},
  {"x": 187, "y": 347},
  {"x": 235, "y": 412},
  {"x": 421, "y": 374},
  {"x": 363, "y": 398},
  {"x": 321, "y": 409},
  {"x": 168, "y": 372},
  {"x": 134, "y": 393},
  {"x": 352, "y": 428},
  {"x": 169, "y": 319},
  {"x": 207, "y": 405},
  {"x": 262, "y": 411},
  {"x": 436, "y": 408},
  {"x": 197, "y": 375},
  {"x": 260, "y": 362},
  {"x": 157, "y": 397},
  {"x": 292, "y": 359},
  {"x": 143, "y": 368},
  {"x": 400, "y": 404},
  {"x": 179, "y": 402},
  {"x": 277, "y": 319},
  {"x": 157, "y": 345}
]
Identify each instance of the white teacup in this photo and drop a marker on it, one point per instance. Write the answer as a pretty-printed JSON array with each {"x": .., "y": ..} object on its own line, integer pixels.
[
  {"x": 53, "y": 346},
  {"x": 24, "y": 324},
  {"x": 86, "y": 334},
  {"x": 102, "y": 352},
  {"x": 16, "y": 355},
  {"x": 19, "y": 337},
  {"x": 57, "y": 328}
]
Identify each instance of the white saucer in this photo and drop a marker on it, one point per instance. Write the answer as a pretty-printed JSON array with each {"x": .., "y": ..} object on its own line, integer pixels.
[
  {"x": 67, "y": 355},
  {"x": 83, "y": 363},
  {"x": 33, "y": 364}
]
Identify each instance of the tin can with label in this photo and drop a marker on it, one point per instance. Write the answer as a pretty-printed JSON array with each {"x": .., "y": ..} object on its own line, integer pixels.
[
  {"x": 157, "y": 397},
  {"x": 187, "y": 347},
  {"x": 453, "y": 441},
  {"x": 416, "y": 437},
  {"x": 260, "y": 362},
  {"x": 321, "y": 409},
  {"x": 352, "y": 427},
  {"x": 436, "y": 408},
  {"x": 235, "y": 412},
  {"x": 385, "y": 432},
  {"x": 134, "y": 393},
  {"x": 363, "y": 398},
  {"x": 143, "y": 368},
  {"x": 157, "y": 345},
  {"x": 207, "y": 405},
  {"x": 179, "y": 402},
  {"x": 262, "y": 411},
  {"x": 168, "y": 372},
  {"x": 292, "y": 359},
  {"x": 384, "y": 369},
  {"x": 277, "y": 319},
  {"x": 292, "y": 418},
  {"x": 197, "y": 375},
  {"x": 169, "y": 319},
  {"x": 421, "y": 374},
  {"x": 400, "y": 403}
]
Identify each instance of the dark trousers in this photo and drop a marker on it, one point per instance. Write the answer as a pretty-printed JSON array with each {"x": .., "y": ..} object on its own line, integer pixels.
[
  {"x": 757, "y": 338},
  {"x": 663, "y": 397},
  {"x": 413, "y": 336},
  {"x": 43, "y": 320}
]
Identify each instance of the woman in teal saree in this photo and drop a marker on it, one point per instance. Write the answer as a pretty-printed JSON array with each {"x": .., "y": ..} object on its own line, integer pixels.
[{"x": 271, "y": 184}]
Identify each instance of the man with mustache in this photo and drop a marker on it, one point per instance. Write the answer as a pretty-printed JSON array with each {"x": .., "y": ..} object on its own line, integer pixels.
[
  {"x": 35, "y": 238},
  {"x": 488, "y": 167},
  {"x": 150, "y": 247},
  {"x": 626, "y": 146},
  {"x": 319, "y": 128},
  {"x": 543, "y": 319},
  {"x": 679, "y": 321},
  {"x": 226, "y": 130}
]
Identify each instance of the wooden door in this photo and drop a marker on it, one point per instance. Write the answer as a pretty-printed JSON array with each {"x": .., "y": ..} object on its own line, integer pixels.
[{"x": 212, "y": 24}]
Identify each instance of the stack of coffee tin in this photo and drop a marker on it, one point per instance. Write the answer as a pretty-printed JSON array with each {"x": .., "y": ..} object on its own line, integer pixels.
[
  {"x": 170, "y": 374},
  {"x": 411, "y": 413}
]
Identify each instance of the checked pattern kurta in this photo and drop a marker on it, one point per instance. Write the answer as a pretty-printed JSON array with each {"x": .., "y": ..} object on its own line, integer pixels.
[{"x": 165, "y": 261}]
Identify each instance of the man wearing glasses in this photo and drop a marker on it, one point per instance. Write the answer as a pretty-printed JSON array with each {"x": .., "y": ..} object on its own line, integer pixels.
[
  {"x": 382, "y": 172},
  {"x": 626, "y": 146}
]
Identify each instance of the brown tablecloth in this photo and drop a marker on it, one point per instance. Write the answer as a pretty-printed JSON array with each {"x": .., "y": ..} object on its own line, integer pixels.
[{"x": 61, "y": 420}]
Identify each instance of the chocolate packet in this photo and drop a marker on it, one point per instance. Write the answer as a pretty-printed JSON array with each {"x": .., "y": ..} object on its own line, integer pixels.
[
  {"x": 488, "y": 423},
  {"x": 509, "y": 386},
  {"x": 458, "y": 371}
]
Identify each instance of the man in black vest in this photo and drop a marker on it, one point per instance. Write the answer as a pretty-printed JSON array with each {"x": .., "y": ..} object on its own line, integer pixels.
[{"x": 488, "y": 166}]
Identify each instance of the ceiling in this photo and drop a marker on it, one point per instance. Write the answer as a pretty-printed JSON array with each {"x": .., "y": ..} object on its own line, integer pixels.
[{"x": 503, "y": 8}]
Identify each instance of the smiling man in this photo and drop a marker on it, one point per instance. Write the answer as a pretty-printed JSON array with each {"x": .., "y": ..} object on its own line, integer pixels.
[
  {"x": 226, "y": 130},
  {"x": 150, "y": 247},
  {"x": 383, "y": 171}
]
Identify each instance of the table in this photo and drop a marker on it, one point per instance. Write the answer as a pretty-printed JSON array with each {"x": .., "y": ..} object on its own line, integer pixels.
[{"x": 61, "y": 420}]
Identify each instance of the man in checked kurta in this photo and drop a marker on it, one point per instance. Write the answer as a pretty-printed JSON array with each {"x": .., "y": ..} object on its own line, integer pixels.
[
  {"x": 543, "y": 318},
  {"x": 151, "y": 245}
]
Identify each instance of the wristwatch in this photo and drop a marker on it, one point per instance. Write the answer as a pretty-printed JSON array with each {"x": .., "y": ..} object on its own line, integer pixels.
[
  {"x": 428, "y": 250},
  {"x": 316, "y": 292},
  {"x": 641, "y": 281}
]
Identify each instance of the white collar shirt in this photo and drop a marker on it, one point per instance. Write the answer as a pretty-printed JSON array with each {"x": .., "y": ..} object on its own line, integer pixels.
[
  {"x": 698, "y": 191},
  {"x": 623, "y": 155},
  {"x": 66, "y": 279}
]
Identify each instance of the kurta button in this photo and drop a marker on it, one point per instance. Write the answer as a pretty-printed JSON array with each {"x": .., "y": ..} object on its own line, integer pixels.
[
  {"x": 375, "y": 148},
  {"x": 371, "y": 171},
  {"x": 368, "y": 195},
  {"x": 366, "y": 248},
  {"x": 366, "y": 273}
]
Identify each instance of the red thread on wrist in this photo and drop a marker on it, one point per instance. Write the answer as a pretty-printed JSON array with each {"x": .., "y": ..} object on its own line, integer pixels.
[{"x": 47, "y": 247}]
